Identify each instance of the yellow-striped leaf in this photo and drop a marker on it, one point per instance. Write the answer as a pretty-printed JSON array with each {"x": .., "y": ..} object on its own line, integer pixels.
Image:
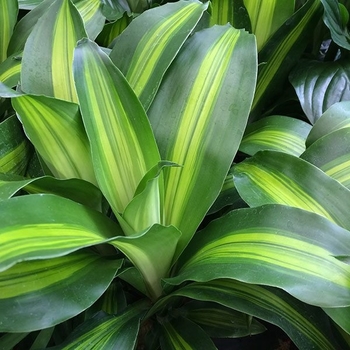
[
  {"x": 107, "y": 331},
  {"x": 267, "y": 16},
  {"x": 122, "y": 143},
  {"x": 274, "y": 177},
  {"x": 57, "y": 132},
  {"x": 181, "y": 333},
  {"x": 48, "y": 52},
  {"x": 273, "y": 245},
  {"x": 200, "y": 125},
  {"x": 48, "y": 226},
  {"x": 151, "y": 41},
  {"x": 282, "y": 50},
  {"x": 10, "y": 70},
  {"x": 331, "y": 154},
  {"x": 78, "y": 190},
  {"x": 307, "y": 326},
  {"x": 8, "y": 19},
  {"x": 15, "y": 148},
  {"x": 336, "y": 117},
  {"x": 31, "y": 290},
  {"x": 229, "y": 11},
  {"x": 277, "y": 133}
]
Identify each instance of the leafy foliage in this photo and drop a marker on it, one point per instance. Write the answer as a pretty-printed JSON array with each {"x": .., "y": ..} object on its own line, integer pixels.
[{"x": 171, "y": 173}]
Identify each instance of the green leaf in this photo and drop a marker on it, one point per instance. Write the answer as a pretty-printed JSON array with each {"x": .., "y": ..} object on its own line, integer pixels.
[
  {"x": 181, "y": 333},
  {"x": 267, "y": 16},
  {"x": 43, "y": 338},
  {"x": 272, "y": 245},
  {"x": 114, "y": 9},
  {"x": 336, "y": 117},
  {"x": 122, "y": 143},
  {"x": 55, "y": 129},
  {"x": 48, "y": 226},
  {"x": 149, "y": 44},
  {"x": 48, "y": 52},
  {"x": 341, "y": 316},
  {"x": 307, "y": 326},
  {"x": 201, "y": 125},
  {"x": 282, "y": 51},
  {"x": 229, "y": 11},
  {"x": 321, "y": 84},
  {"x": 15, "y": 149},
  {"x": 77, "y": 190},
  {"x": 68, "y": 285},
  {"x": 8, "y": 19},
  {"x": 91, "y": 13},
  {"x": 331, "y": 154},
  {"x": 10, "y": 70},
  {"x": 106, "y": 331},
  {"x": 273, "y": 177},
  {"x": 8, "y": 341},
  {"x": 277, "y": 133},
  {"x": 332, "y": 19},
  {"x": 219, "y": 321},
  {"x": 151, "y": 252}
]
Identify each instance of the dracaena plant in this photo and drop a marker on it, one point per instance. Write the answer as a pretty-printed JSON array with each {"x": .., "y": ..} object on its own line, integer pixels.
[{"x": 113, "y": 156}]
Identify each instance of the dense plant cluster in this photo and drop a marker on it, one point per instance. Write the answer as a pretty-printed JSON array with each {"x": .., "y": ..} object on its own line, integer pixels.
[{"x": 174, "y": 172}]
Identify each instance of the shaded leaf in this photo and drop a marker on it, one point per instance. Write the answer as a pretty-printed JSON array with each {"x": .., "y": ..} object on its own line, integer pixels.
[{"x": 321, "y": 84}]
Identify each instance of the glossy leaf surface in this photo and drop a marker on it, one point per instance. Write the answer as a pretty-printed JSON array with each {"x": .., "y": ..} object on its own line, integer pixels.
[
  {"x": 217, "y": 71},
  {"x": 321, "y": 84},
  {"x": 67, "y": 284},
  {"x": 256, "y": 245},
  {"x": 143, "y": 56},
  {"x": 10, "y": 70}
]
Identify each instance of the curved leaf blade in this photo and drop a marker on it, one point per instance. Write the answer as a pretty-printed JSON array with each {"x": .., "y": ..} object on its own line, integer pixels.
[
  {"x": 182, "y": 333},
  {"x": 68, "y": 285},
  {"x": 144, "y": 51},
  {"x": 77, "y": 190},
  {"x": 57, "y": 132},
  {"x": 200, "y": 125},
  {"x": 307, "y": 326},
  {"x": 48, "y": 226},
  {"x": 273, "y": 245},
  {"x": 276, "y": 133},
  {"x": 8, "y": 19},
  {"x": 321, "y": 84},
  {"x": 15, "y": 148},
  {"x": 273, "y": 177},
  {"x": 107, "y": 331},
  {"x": 51, "y": 43},
  {"x": 122, "y": 143},
  {"x": 336, "y": 117},
  {"x": 267, "y": 16},
  {"x": 331, "y": 154},
  {"x": 10, "y": 70}
]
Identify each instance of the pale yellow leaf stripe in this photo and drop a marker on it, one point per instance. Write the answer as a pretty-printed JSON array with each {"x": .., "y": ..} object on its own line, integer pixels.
[
  {"x": 280, "y": 250},
  {"x": 12, "y": 161},
  {"x": 282, "y": 190},
  {"x": 188, "y": 146},
  {"x": 148, "y": 51}
]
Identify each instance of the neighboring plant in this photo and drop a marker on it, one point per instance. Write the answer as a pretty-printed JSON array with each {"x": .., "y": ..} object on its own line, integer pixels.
[{"x": 124, "y": 222}]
